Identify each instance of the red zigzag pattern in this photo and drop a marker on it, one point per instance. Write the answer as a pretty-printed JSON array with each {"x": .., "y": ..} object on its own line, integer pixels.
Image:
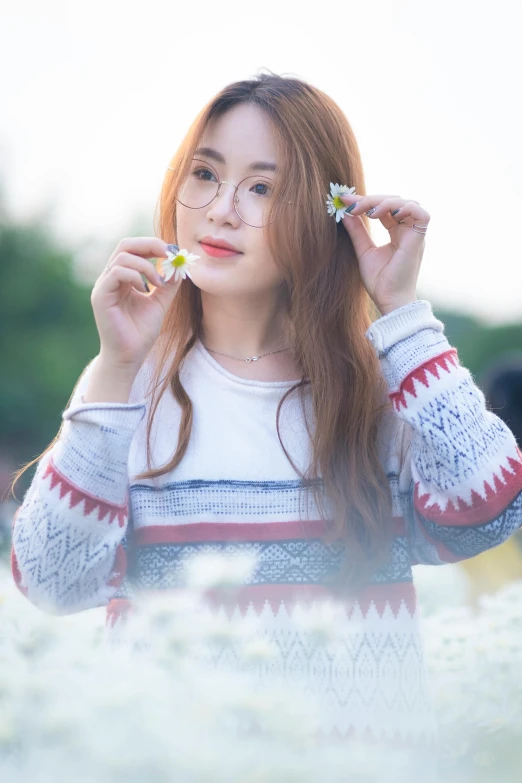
[
  {"x": 120, "y": 513},
  {"x": 421, "y": 374},
  {"x": 497, "y": 498},
  {"x": 480, "y": 509}
]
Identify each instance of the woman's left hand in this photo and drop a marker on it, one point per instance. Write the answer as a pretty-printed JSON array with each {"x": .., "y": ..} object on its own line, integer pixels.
[{"x": 389, "y": 273}]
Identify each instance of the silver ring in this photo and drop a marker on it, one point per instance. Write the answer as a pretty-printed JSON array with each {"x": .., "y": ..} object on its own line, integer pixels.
[
  {"x": 415, "y": 227},
  {"x": 108, "y": 267}
]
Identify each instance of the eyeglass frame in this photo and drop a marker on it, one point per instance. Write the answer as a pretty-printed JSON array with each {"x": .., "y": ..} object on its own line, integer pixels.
[{"x": 225, "y": 182}]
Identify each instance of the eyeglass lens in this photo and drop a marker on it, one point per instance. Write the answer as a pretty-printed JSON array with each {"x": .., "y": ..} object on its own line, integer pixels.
[{"x": 252, "y": 198}]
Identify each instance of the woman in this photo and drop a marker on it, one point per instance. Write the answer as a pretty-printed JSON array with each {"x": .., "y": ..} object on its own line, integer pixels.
[{"x": 302, "y": 405}]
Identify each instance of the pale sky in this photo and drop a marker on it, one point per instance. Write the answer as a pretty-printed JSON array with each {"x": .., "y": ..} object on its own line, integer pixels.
[{"x": 96, "y": 96}]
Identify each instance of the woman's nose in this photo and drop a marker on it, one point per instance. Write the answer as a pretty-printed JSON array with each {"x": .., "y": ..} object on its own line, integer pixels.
[{"x": 224, "y": 199}]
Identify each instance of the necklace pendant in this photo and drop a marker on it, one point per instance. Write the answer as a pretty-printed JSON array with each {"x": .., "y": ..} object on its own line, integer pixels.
[
  {"x": 248, "y": 361},
  {"x": 255, "y": 358}
]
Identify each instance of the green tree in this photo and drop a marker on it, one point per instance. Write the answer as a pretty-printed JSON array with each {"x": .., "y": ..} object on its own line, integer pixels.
[
  {"x": 47, "y": 336},
  {"x": 479, "y": 344}
]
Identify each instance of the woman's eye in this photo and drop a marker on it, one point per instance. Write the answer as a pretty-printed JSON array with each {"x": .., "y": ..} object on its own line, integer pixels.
[
  {"x": 200, "y": 174},
  {"x": 261, "y": 189}
]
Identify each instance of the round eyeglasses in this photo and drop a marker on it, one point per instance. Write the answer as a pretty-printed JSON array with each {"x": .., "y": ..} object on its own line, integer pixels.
[{"x": 252, "y": 198}]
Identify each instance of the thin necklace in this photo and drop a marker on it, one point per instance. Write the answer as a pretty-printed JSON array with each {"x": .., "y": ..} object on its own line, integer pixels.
[{"x": 249, "y": 358}]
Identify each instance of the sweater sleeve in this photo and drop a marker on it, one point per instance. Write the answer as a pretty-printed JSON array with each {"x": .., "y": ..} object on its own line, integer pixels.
[
  {"x": 461, "y": 480},
  {"x": 67, "y": 539}
]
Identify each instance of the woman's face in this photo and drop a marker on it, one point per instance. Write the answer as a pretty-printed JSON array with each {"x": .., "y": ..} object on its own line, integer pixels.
[{"x": 241, "y": 137}]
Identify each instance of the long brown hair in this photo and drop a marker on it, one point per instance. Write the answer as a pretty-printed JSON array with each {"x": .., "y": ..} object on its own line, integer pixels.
[{"x": 329, "y": 311}]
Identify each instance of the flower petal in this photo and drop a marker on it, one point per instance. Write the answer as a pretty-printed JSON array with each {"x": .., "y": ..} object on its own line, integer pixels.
[{"x": 167, "y": 270}]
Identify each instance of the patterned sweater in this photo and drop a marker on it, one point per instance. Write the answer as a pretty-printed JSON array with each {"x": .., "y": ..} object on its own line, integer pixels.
[{"x": 88, "y": 534}]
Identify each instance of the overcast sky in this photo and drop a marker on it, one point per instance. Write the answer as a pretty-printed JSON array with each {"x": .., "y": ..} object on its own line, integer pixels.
[{"x": 96, "y": 96}]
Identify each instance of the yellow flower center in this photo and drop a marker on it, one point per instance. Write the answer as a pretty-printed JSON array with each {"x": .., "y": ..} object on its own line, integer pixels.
[
  {"x": 178, "y": 261},
  {"x": 338, "y": 204}
]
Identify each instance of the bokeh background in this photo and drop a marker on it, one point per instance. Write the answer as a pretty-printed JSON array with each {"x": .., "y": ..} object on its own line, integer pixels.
[{"x": 95, "y": 98}]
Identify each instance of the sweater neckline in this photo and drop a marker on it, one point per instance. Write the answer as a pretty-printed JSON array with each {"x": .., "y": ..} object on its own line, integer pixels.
[{"x": 217, "y": 367}]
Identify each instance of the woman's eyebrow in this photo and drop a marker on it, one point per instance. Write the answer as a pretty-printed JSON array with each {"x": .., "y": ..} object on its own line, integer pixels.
[{"x": 259, "y": 165}]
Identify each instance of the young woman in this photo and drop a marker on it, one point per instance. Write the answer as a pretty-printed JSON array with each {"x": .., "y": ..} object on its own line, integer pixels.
[{"x": 292, "y": 399}]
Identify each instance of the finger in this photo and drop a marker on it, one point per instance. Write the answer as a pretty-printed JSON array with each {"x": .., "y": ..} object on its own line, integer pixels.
[
  {"x": 413, "y": 210},
  {"x": 391, "y": 211},
  {"x": 381, "y": 208},
  {"x": 362, "y": 204},
  {"x": 167, "y": 291},
  {"x": 137, "y": 262},
  {"x": 121, "y": 275},
  {"x": 359, "y": 234},
  {"x": 146, "y": 247},
  {"x": 366, "y": 202},
  {"x": 392, "y": 206}
]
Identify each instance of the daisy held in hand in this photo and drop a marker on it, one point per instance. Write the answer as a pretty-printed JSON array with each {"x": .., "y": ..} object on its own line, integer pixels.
[
  {"x": 333, "y": 201},
  {"x": 177, "y": 263},
  {"x": 389, "y": 273}
]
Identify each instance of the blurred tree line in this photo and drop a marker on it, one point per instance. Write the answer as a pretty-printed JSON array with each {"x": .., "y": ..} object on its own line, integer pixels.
[{"x": 48, "y": 335}]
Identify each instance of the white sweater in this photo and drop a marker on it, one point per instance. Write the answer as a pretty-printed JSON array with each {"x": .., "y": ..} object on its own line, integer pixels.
[{"x": 88, "y": 534}]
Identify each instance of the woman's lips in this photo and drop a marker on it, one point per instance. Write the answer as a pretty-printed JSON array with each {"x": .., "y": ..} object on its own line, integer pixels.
[{"x": 218, "y": 252}]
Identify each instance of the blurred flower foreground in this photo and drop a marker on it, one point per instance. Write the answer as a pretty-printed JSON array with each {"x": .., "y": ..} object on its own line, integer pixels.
[{"x": 79, "y": 703}]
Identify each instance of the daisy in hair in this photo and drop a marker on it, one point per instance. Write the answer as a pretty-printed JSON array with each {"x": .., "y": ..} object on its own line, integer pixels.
[{"x": 333, "y": 201}]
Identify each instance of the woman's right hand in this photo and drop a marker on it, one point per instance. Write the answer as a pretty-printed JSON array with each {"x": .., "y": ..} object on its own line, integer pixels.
[{"x": 127, "y": 317}]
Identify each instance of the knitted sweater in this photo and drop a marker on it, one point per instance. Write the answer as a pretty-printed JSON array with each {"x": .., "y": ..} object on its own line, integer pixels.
[{"x": 87, "y": 534}]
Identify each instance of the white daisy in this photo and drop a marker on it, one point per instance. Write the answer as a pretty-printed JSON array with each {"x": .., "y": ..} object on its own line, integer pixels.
[
  {"x": 177, "y": 263},
  {"x": 335, "y": 205}
]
